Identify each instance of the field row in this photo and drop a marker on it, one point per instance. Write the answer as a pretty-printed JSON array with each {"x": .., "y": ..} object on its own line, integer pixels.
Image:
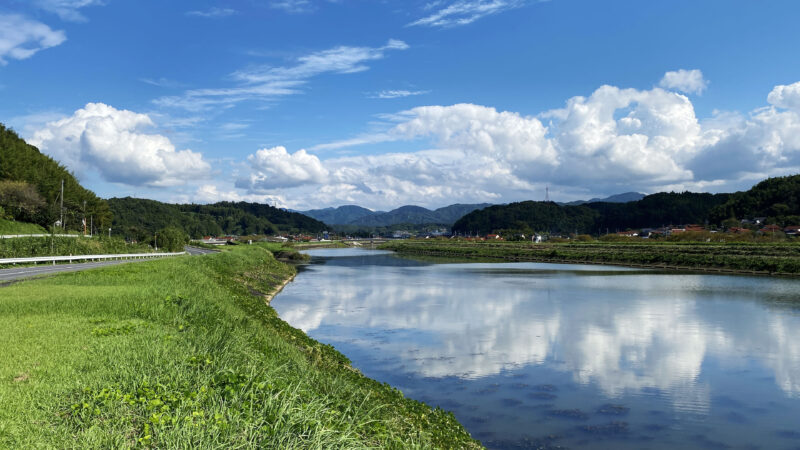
[{"x": 771, "y": 259}]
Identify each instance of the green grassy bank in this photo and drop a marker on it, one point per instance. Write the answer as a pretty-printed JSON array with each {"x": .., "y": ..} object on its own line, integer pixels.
[
  {"x": 184, "y": 352},
  {"x": 767, "y": 258},
  {"x": 14, "y": 227},
  {"x": 55, "y": 246}
]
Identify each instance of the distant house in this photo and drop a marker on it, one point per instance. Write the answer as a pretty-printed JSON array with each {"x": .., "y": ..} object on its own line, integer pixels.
[
  {"x": 737, "y": 230},
  {"x": 771, "y": 229},
  {"x": 493, "y": 236},
  {"x": 213, "y": 241},
  {"x": 792, "y": 230},
  {"x": 695, "y": 228},
  {"x": 629, "y": 233}
]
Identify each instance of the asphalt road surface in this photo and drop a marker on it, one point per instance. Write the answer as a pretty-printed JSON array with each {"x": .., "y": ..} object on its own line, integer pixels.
[
  {"x": 18, "y": 273},
  {"x": 49, "y": 269},
  {"x": 198, "y": 250}
]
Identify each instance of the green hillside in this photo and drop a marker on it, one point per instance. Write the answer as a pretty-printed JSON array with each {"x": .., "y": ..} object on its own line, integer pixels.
[
  {"x": 592, "y": 218},
  {"x": 14, "y": 227},
  {"x": 30, "y": 185},
  {"x": 138, "y": 218},
  {"x": 777, "y": 199}
]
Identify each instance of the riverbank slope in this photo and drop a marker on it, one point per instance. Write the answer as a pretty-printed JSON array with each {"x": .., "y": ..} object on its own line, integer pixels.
[
  {"x": 185, "y": 352},
  {"x": 766, "y": 258}
]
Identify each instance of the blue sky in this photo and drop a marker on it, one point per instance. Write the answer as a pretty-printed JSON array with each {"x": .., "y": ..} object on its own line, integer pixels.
[{"x": 314, "y": 103}]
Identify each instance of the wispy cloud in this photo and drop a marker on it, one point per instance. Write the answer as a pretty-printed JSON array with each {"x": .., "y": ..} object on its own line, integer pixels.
[
  {"x": 212, "y": 13},
  {"x": 21, "y": 38},
  {"x": 293, "y": 6},
  {"x": 161, "y": 82},
  {"x": 397, "y": 94},
  {"x": 464, "y": 12},
  {"x": 268, "y": 83},
  {"x": 66, "y": 9}
]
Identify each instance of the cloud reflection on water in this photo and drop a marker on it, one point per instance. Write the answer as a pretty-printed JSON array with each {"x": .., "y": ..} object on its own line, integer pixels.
[{"x": 623, "y": 333}]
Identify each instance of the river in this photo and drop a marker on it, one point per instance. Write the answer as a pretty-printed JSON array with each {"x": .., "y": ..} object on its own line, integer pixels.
[{"x": 539, "y": 355}]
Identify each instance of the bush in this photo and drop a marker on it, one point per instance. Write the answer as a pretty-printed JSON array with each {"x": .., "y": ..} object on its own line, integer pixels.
[
  {"x": 171, "y": 239},
  {"x": 21, "y": 200}
]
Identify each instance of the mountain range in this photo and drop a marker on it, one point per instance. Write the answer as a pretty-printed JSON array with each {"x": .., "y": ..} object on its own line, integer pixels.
[
  {"x": 410, "y": 214},
  {"x": 417, "y": 215},
  {"x": 618, "y": 198}
]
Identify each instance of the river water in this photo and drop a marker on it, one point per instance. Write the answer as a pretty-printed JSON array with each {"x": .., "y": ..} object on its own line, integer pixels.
[{"x": 529, "y": 355}]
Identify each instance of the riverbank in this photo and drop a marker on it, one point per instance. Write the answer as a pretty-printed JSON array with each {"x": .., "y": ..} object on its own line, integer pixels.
[
  {"x": 313, "y": 245},
  {"x": 767, "y": 259},
  {"x": 185, "y": 352}
]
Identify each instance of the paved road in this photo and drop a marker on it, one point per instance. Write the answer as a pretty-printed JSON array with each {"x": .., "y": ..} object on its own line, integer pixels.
[
  {"x": 47, "y": 269},
  {"x": 35, "y": 271},
  {"x": 198, "y": 250}
]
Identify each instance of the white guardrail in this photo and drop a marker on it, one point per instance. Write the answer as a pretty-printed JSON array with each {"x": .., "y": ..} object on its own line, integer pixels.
[
  {"x": 16, "y": 236},
  {"x": 72, "y": 258}
]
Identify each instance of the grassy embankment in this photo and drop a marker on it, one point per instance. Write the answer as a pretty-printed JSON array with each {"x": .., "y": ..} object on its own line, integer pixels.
[
  {"x": 778, "y": 258},
  {"x": 312, "y": 245},
  {"x": 56, "y": 246},
  {"x": 183, "y": 352},
  {"x": 14, "y": 227}
]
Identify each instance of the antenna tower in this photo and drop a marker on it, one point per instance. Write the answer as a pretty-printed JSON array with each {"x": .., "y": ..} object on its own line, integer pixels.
[{"x": 547, "y": 194}]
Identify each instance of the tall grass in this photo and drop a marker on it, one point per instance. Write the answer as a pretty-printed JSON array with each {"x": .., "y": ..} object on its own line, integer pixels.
[
  {"x": 180, "y": 353},
  {"x": 13, "y": 227},
  {"x": 56, "y": 246}
]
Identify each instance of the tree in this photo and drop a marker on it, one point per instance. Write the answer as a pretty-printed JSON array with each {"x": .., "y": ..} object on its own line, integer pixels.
[
  {"x": 731, "y": 223},
  {"x": 21, "y": 200},
  {"x": 171, "y": 239}
]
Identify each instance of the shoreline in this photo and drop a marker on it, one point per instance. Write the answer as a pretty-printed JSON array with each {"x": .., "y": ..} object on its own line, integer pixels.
[
  {"x": 696, "y": 259},
  {"x": 277, "y": 290}
]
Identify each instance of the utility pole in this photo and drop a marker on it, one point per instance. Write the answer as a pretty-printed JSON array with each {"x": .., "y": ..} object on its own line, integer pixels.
[{"x": 62, "y": 205}]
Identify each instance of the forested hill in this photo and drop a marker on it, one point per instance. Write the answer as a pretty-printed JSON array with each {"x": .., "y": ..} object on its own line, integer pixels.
[
  {"x": 30, "y": 184},
  {"x": 777, "y": 199},
  {"x": 652, "y": 211},
  {"x": 138, "y": 218}
]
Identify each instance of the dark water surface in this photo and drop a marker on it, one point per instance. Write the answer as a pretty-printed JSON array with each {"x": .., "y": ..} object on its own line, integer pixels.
[{"x": 529, "y": 354}]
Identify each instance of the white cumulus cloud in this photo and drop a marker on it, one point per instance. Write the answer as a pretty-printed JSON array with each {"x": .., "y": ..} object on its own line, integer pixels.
[
  {"x": 21, "y": 38},
  {"x": 114, "y": 143},
  {"x": 784, "y": 96},
  {"x": 626, "y": 134},
  {"x": 276, "y": 168},
  {"x": 610, "y": 141},
  {"x": 688, "y": 81}
]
